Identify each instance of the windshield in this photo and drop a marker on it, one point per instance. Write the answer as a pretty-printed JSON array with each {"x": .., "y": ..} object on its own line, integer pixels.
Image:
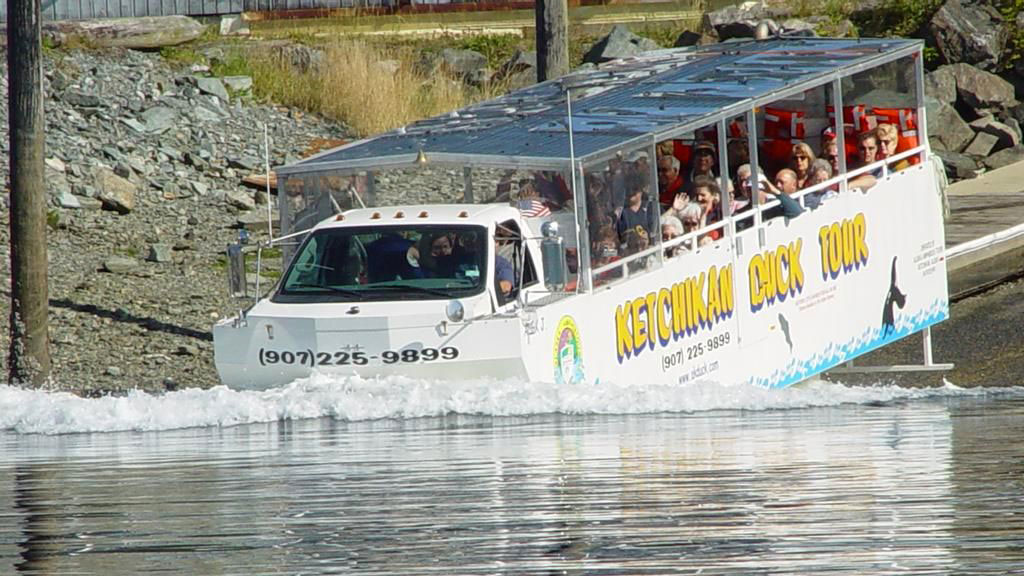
[{"x": 387, "y": 263}]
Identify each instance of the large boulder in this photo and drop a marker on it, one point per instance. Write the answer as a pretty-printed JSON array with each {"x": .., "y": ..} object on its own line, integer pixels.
[
  {"x": 518, "y": 71},
  {"x": 468, "y": 65},
  {"x": 941, "y": 85},
  {"x": 947, "y": 127},
  {"x": 144, "y": 33},
  {"x": 619, "y": 43},
  {"x": 981, "y": 90},
  {"x": 116, "y": 193},
  {"x": 1005, "y": 157},
  {"x": 736, "y": 21},
  {"x": 969, "y": 33}
]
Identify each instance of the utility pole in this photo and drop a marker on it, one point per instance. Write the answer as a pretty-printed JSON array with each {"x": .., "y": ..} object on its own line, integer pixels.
[
  {"x": 552, "y": 17},
  {"x": 29, "y": 359}
]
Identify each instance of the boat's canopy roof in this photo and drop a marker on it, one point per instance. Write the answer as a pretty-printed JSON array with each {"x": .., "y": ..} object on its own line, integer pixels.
[{"x": 653, "y": 97}]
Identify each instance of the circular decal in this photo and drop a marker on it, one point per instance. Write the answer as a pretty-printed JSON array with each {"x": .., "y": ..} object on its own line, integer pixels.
[{"x": 568, "y": 352}]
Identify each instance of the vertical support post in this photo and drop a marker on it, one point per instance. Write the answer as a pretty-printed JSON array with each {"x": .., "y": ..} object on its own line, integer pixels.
[
  {"x": 467, "y": 185},
  {"x": 29, "y": 359},
  {"x": 371, "y": 188},
  {"x": 723, "y": 170},
  {"x": 837, "y": 106},
  {"x": 653, "y": 203},
  {"x": 552, "y": 18},
  {"x": 922, "y": 120},
  {"x": 755, "y": 175},
  {"x": 926, "y": 335}
]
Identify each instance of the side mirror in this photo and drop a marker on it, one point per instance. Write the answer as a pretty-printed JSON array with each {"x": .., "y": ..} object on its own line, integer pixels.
[
  {"x": 552, "y": 255},
  {"x": 237, "y": 285}
]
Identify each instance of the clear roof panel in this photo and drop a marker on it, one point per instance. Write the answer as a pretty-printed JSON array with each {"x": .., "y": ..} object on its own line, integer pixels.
[{"x": 614, "y": 104}]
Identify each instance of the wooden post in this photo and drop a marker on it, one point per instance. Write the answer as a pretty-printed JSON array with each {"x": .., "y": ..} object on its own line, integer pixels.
[
  {"x": 29, "y": 360},
  {"x": 552, "y": 17}
]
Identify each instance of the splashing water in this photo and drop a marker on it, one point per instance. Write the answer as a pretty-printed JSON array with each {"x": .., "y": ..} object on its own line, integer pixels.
[{"x": 354, "y": 398}]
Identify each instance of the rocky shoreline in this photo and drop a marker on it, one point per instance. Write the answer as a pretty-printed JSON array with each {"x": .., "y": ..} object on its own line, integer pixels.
[{"x": 144, "y": 167}]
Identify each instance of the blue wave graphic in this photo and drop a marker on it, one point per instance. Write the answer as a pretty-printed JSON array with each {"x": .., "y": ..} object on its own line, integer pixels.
[{"x": 835, "y": 354}]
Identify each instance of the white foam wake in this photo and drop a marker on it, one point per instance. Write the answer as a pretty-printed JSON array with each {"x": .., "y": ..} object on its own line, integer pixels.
[{"x": 353, "y": 398}]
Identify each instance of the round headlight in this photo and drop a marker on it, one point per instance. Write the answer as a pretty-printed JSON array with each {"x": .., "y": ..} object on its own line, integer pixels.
[{"x": 455, "y": 311}]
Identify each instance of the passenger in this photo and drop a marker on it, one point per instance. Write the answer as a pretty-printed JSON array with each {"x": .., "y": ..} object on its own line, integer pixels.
[
  {"x": 744, "y": 200},
  {"x": 637, "y": 240},
  {"x": 670, "y": 181},
  {"x": 639, "y": 210},
  {"x": 638, "y": 163},
  {"x": 800, "y": 161},
  {"x": 708, "y": 196},
  {"x": 867, "y": 152},
  {"x": 786, "y": 181},
  {"x": 392, "y": 257},
  {"x": 821, "y": 171},
  {"x": 738, "y": 152},
  {"x": 671, "y": 228},
  {"x": 692, "y": 218},
  {"x": 888, "y": 140},
  {"x": 599, "y": 202},
  {"x": 606, "y": 251},
  {"x": 616, "y": 183},
  {"x": 552, "y": 189},
  {"x": 787, "y": 206},
  {"x": 504, "y": 273},
  {"x": 703, "y": 161},
  {"x": 678, "y": 204},
  {"x": 830, "y": 148}
]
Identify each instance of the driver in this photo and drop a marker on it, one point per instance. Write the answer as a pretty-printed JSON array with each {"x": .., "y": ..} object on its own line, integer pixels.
[{"x": 440, "y": 255}]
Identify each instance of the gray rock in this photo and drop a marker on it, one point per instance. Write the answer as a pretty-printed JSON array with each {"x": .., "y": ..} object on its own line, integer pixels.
[
  {"x": 159, "y": 253},
  {"x": 240, "y": 199},
  {"x": 81, "y": 99},
  {"x": 134, "y": 125},
  {"x": 244, "y": 162},
  {"x": 686, "y": 39},
  {"x": 737, "y": 21},
  {"x": 199, "y": 188},
  {"x": 212, "y": 86},
  {"x": 981, "y": 90},
  {"x": 114, "y": 371},
  {"x": 469, "y": 65},
  {"x": 941, "y": 85},
  {"x": 257, "y": 221},
  {"x": 302, "y": 58},
  {"x": 518, "y": 71},
  {"x": 1005, "y": 157},
  {"x": 619, "y": 43},
  {"x": 55, "y": 164},
  {"x": 946, "y": 126},
  {"x": 89, "y": 203},
  {"x": 120, "y": 264},
  {"x": 114, "y": 192},
  {"x": 958, "y": 165},
  {"x": 69, "y": 201},
  {"x": 969, "y": 33},
  {"x": 233, "y": 25},
  {"x": 982, "y": 145},
  {"x": 186, "y": 350},
  {"x": 238, "y": 83},
  {"x": 123, "y": 170},
  {"x": 159, "y": 119},
  {"x": 206, "y": 115},
  {"x": 140, "y": 33},
  {"x": 1006, "y": 137}
]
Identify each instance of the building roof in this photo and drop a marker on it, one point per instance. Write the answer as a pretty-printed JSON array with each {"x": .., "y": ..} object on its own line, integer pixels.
[{"x": 635, "y": 100}]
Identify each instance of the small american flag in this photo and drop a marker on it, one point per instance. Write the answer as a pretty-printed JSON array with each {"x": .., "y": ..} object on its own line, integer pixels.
[{"x": 533, "y": 208}]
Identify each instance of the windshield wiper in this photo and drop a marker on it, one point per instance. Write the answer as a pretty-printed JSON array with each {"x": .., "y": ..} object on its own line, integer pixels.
[
  {"x": 346, "y": 291},
  {"x": 413, "y": 288}
]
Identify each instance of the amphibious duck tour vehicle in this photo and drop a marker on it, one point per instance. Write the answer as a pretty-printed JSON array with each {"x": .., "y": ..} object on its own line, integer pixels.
[{"x": 753, "y": 212}]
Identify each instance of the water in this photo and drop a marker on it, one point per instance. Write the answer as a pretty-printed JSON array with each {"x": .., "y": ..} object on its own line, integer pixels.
[{"x": 414, "y": 477}]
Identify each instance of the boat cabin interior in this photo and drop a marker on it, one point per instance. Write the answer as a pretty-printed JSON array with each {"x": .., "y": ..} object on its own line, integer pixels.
[{"x": 642, "y": 160}]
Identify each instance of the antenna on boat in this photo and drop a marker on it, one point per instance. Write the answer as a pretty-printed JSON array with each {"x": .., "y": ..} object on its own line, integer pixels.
[{"x": 266, "y": 164}]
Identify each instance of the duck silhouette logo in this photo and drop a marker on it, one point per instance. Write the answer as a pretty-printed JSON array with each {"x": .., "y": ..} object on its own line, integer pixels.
[{"x": 895, "y": 299}]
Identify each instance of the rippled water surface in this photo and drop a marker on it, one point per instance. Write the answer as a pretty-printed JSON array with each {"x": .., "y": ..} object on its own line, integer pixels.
[{"x": 409, "y": 477}]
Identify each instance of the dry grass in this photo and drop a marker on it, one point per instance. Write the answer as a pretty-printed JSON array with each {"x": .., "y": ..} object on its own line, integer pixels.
[{"x": 369, "y": 88}]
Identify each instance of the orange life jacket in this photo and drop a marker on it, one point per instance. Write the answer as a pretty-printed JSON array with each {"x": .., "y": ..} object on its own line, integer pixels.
[{"x": 905, "y": 121}]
